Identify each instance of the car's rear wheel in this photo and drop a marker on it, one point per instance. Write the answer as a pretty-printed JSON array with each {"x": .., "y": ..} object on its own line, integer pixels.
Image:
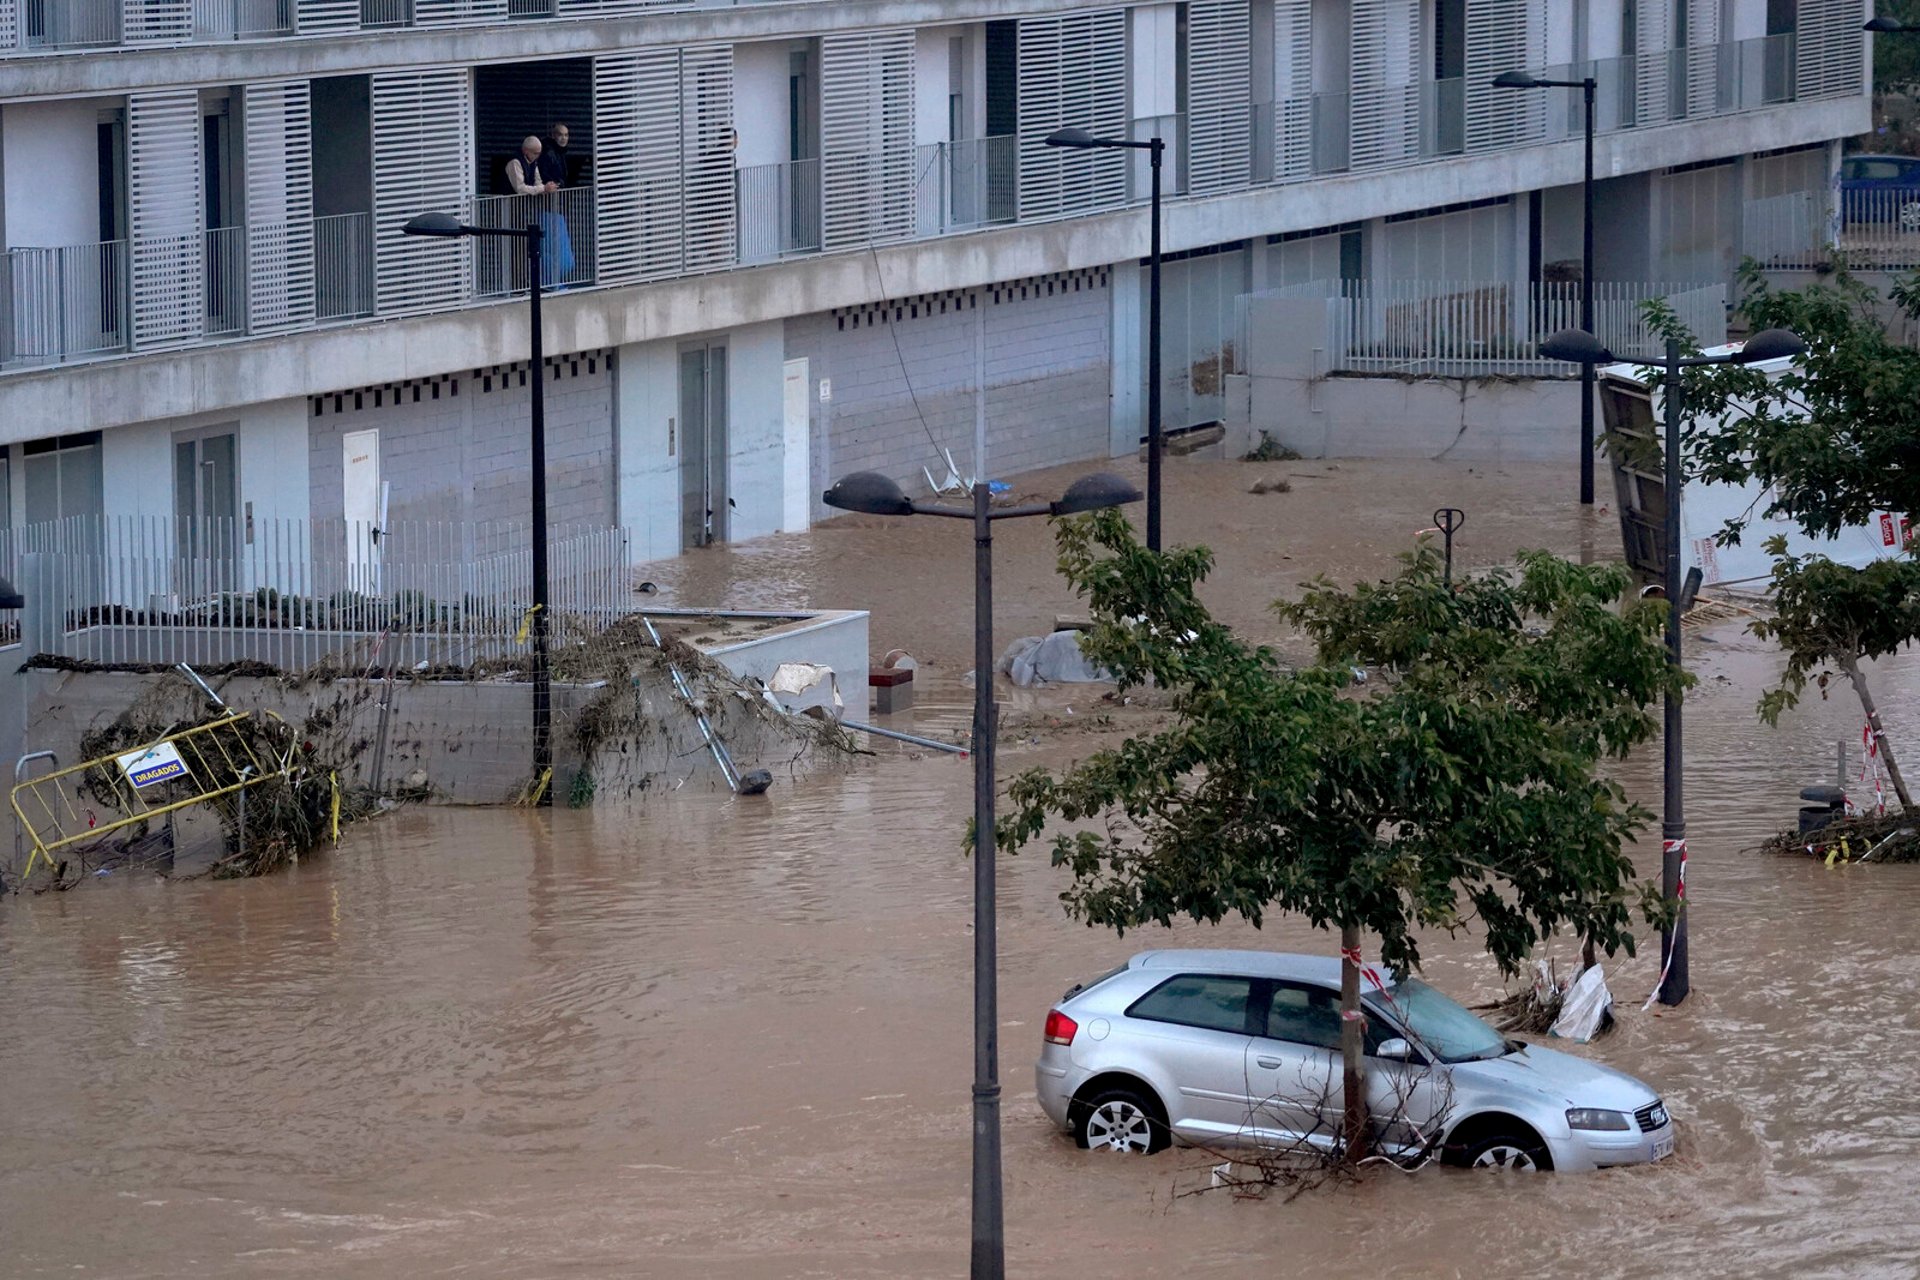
[
  {"x": 1910, "y": 216},
  {"x": 1123, "y": 1120},
  {"x": 1507, "y": 1151}
]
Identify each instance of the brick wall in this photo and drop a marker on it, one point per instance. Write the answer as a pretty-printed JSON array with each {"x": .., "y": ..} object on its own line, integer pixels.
[
  {"x": 456, "y": 448},
  {"x": 903, "y": 378}
]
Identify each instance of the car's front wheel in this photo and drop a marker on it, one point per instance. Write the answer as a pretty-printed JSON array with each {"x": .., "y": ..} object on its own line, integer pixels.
[
  {"x": 1512, "y": 1151},
  {"x": 1123, "y": 1120}
]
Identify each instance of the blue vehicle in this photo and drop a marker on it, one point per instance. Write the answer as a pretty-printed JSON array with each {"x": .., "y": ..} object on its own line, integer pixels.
[{"x": 1880, "y": 189}]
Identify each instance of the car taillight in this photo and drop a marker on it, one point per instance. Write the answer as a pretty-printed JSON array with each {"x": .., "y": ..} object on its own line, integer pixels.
[{"x": 1060, "y": 1028}]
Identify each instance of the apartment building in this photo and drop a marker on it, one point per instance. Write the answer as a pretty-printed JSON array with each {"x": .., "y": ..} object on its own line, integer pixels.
[{"x": 795, "y": 239}]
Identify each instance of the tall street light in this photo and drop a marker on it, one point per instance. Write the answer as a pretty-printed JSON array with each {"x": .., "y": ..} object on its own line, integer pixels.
[
  {"x": 1889, "y": 27},
  {"x": 871, "y": 493},
  {"x": 1578, "y": 346},
  {"x": 447, "y": 226},
  {"x": 1524, "y": 80},
  {"x": 1080, "y": 139}
]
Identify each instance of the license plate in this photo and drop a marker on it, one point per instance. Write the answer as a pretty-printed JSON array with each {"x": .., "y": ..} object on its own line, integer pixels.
[{"x": 1663, "y": 1148}]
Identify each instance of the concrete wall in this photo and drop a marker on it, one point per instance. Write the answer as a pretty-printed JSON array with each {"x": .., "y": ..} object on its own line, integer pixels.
[
  {"x": 456, "y": 448},
  {"x": 49, "y": 153},
  {"x": 904, "y": 380},
  {"x": 756, "y": 430},
  {"x": 1468, "y": 420}
]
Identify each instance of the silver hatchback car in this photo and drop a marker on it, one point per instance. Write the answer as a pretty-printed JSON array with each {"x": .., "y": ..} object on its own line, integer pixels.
[{"x": 1235, "y": 1048}]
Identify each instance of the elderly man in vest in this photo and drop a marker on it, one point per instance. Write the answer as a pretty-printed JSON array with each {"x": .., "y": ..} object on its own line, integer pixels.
[{"x": 556, "y": 249}]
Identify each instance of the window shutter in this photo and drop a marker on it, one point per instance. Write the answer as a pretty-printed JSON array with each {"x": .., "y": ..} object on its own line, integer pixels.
[
  {"x": 461, "y": 13},
  {"x": 422, "y": 163},
  {"x": 319, "y": 17},
  {"x": 9, "y": 25},
  {"x": 166, "y": 210},
  {"x": 156, "y": 22},
  {"x": 1503, "y": 35},
  {"x": 279, "y": 150},
  {"x": 1384, "y": 106},
  {"x": 658, "y": 137},
  {"x": 1831, "y": 48},
  {"x": 1653, "y": 40},
  {"x": 1703, "y": 59},
  {"x": 1072, "y": 72},
  {"x": 706, "y": 103},
  {"x": 1293, "y": 88},
  {"x": 866, "y": 138},
  {"x": 1219, "y": 95},
  {"x": 618, "y": 115}
]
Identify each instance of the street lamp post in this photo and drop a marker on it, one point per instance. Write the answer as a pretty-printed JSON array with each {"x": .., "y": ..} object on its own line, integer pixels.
[
  {"x": 1523, "y": 80},
  {"x": 1579, "y": 346},
  {"x": 871, "y": 493},
  {"x": 446, "y": 225},
  {"x": 1884, "y": 26},
  {"x": 1155, "y": 148}
]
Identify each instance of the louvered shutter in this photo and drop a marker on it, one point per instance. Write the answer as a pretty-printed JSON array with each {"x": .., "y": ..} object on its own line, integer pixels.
[
  {"x": 620, "y": 115},
  {"x": 156, "y": 22},
  {"x": 1385, "y": 102},
  {"x": 659, "y": 137},
  {"x": 318, "y": 17},
  {"x": 277, "y": 122},
  {"x": 866, "y": 138},
  {"x": 422, "y": 163},
  {"x": 1831, "y": 48},
  {"x": 166, "y": 210},
  {"x": 1219, "y": 95},
  {"x": 1293, "y": 88},
  {"x": 706, "y": 104},
  {"x": 1703, "y": 59},
  {"x": 9, "y": 24},
  {"x": 1503, "y": 35},
  {"x": 1653, "y": 42},
  {"x": 457, "y": 13},
  {"x": 1072, "y": 72}
]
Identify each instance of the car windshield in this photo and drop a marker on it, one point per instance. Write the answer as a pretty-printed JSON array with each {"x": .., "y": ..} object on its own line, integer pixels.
[{"x": 1444, "y": 1027}]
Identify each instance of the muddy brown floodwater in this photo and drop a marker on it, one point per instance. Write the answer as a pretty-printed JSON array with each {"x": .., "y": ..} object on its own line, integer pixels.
[{"x": 717, "y": 1037}]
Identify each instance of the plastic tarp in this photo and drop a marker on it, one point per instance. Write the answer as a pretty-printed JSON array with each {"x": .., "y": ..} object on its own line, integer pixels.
[
  {"x": 1584, "y": 1008},
  {"x": 1050, "y": 659}
]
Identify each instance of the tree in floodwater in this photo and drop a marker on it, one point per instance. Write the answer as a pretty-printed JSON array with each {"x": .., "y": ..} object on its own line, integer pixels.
[
  {"x": 1833, "y": 443},
  {"x": 1462, "y": 785},
  {"x": 1828, "y": 614}
]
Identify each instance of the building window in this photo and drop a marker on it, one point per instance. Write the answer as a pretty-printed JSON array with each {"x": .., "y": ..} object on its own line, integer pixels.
[{"x": 63, "y": 478}]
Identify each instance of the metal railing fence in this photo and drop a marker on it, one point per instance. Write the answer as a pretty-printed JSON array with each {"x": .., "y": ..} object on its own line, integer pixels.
[
  {"x": 966, "y": 183},
  {"x": 777, "y": 209},
  {"x": 139, "y": 589},
  {"x": 63, "y": 303},
  {"x": 241, "y": 19},
  {"x": 1479, "y": 329},
  {"x": 565, "y": 219},
  {"x": 343, "y": 266},
  {"x": 70, "y": 24},
  {"x": 224, "y": 267}
]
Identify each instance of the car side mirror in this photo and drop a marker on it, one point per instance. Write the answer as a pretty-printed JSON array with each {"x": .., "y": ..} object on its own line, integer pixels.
[{"x": 1397, "y": 1049}]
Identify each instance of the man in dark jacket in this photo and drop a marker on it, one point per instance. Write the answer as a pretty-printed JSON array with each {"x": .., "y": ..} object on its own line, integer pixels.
[{"x": 554, "y": 166}]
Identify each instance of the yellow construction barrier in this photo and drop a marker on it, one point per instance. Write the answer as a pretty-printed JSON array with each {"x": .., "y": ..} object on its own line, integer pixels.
[{"x": 190, "y": 767}]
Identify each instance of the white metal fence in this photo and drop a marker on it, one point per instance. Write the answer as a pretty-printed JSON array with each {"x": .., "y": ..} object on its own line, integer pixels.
[
  {"x": 972, "y": 182},
  {"x": 1874, "y": 229},
  {"x": 1466, "y": 329},
  {"x": 130, "y": 589},
  {"x": 62, "y": 304},
  {"x": 777, "y": 209},
  {"x": 565, "y": 219}
]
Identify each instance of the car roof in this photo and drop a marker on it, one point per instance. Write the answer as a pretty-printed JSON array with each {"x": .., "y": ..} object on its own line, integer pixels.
[{"x": 1254, "y": 964}]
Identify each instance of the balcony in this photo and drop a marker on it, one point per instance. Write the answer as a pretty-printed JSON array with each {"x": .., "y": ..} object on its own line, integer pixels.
[
  {"x": 342, "y": 267},
  {"x": 777, "y": 210},
  {"x": 71, "y": 24},
  {"x": 967, "y": 183},
  {"x": 1443, "y": 117},
  {"x": 565, "y": 219},
  {"x": 63, "y": 304},
  {"x": 223, "y": 262},
  {"x": 241, "y": 19}
]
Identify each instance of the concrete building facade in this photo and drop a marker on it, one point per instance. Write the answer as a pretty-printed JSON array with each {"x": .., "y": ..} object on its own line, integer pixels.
[{"x": 790, "y": 240}]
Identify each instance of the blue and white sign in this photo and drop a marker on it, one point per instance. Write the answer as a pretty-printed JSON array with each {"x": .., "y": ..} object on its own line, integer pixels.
[{"x": 156, "y": 764}]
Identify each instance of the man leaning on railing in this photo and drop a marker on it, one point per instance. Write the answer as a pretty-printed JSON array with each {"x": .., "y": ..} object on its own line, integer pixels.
[{"x": 526, "y": 176}]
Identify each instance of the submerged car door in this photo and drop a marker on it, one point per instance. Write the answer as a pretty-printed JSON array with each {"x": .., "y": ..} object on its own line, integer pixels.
[
  {"x": 1293, "y": 1067},
  {"x": 1192, "y": 1028}
]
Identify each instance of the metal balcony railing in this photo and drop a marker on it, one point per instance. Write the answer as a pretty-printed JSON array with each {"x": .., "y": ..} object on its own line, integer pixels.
[
  {"x": 223, "y": 266},
  {"x": 241, "y": 19},
  {"x": 1758, "y": 72},
  {"x": 379, "y": 14},
  {"x": 1443, "y": 117},
  {"x": 71, "y": 24},
  {"x": 777, "y": 209},
  {"x": 1331, "y": 116},
  {"x": 966, "y": 183},
  {"x": 342, "y": 266},
  {"x": 565, "y": 219},
  {"x": 63, "y": 303},
  {"x": 1172, "y": 130}
]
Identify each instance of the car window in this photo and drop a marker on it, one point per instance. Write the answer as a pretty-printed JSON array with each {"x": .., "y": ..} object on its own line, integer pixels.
[
  {"x": 1216, "y": 1002},
  {"x": 1878, "y": 169},
  {"x": 1304, "y": 1015}
]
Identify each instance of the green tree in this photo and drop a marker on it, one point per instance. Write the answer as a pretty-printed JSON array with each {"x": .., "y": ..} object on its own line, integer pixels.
[
  {"x": 1829, "y": 614},
  {"x": 1896, "y": 59},
  {"x": 1461, "y": 786}
]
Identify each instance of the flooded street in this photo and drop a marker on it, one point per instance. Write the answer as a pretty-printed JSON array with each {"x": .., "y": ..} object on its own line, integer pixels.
[{"x": 720, "y": 1037}]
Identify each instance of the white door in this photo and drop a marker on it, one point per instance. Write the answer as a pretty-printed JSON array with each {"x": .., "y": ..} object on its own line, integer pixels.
[
  {"x": 796, "y": 452},
  {"x": 360, "y": 505}
]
